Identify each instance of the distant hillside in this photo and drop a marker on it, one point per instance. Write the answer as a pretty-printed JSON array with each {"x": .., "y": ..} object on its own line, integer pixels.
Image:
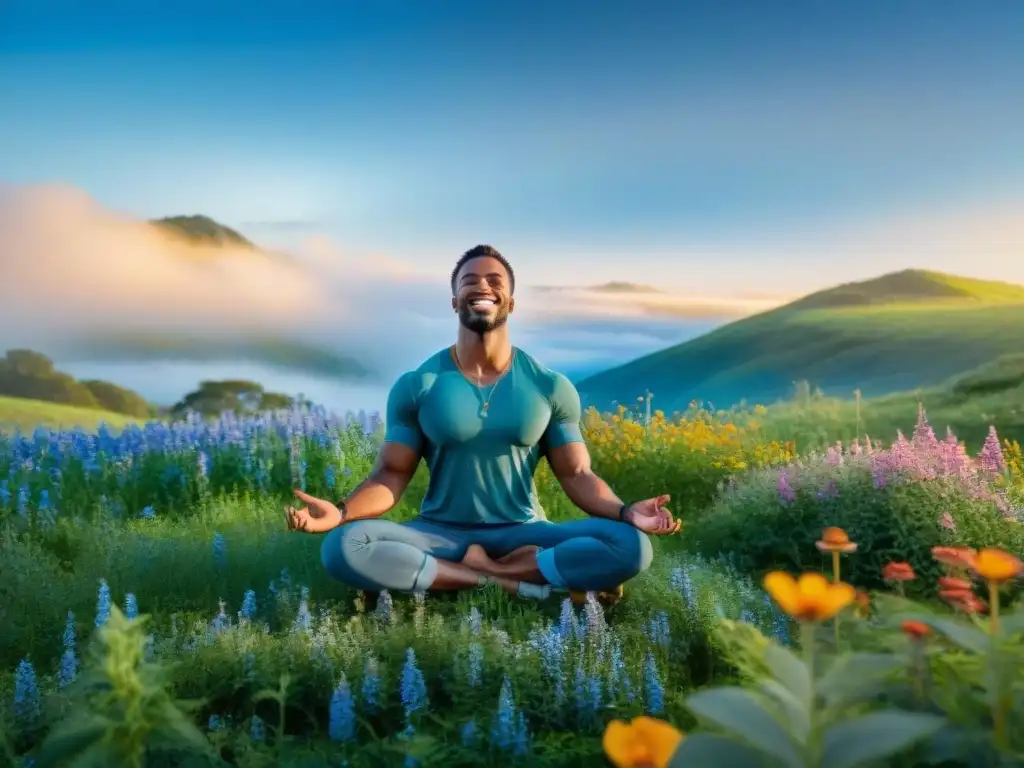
[
  {"x": 202, "y": 230},
  {"x": 618, "y": 287},
  {"x": 901, "y": 331},
  {"x": 31, "y": 375},
  {"x": 26, "y": 415}
]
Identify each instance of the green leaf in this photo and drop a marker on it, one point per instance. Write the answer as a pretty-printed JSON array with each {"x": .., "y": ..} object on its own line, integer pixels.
[
  {"x": 1012, "y": 624},
  {"x": 875, "y": 736},
  {"x": 791, "y": 672},
  {"x": 968, "y": 638},
  {"x": 709, "y": 749},
  {"x": 738, "y": 711},
  {"x": 797, "y": 716},
  {"x": 855, "y": 677},
  {"x": 69, "y": 741}
]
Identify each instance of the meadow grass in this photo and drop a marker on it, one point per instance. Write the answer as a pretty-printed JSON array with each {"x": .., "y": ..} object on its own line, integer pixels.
[
  {"x": 27, "y": 415},
  {"x": 239, "y": 650}
]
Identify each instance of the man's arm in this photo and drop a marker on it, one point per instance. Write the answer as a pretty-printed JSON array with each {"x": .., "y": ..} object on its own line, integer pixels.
[
  {"x": 382, "y": 490},
  {"x": 571, "y": 464},
  {"x": 569, "y": 458}
]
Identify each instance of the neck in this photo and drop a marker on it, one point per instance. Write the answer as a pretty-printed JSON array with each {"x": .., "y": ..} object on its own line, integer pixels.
[{"x": 483, "y": 354}]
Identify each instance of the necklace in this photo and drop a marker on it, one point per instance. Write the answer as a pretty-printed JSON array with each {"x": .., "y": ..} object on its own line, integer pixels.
[{"x": 484, "y": 404}]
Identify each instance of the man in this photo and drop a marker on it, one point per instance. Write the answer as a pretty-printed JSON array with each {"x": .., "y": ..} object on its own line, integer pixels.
[{"x": 482, "y": 413}]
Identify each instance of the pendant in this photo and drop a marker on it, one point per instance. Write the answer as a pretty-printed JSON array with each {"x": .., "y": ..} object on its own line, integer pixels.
[{"x": 483, "y": 411}]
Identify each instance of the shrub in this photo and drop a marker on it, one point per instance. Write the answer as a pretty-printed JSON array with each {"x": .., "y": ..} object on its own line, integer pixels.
[
  {"x": 896, "y": 504},
  {"x": 689, "y": 456}
]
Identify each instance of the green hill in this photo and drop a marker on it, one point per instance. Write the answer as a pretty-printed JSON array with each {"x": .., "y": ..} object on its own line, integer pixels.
[
  {"x": 202, "y": 230},
  {"x": 26, "y": 415},
  {"x": 901, "y": 331}
]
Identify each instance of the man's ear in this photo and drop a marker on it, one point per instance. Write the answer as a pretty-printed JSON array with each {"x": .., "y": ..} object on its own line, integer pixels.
[
  {"x": 455, "y": 304},
  {"x": 511, "y": 305}
]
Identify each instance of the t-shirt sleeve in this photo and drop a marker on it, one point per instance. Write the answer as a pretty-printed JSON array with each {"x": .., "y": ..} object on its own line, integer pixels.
[
  {"x": 401, "y": 422},
  {"x": 566, "y": 413}
]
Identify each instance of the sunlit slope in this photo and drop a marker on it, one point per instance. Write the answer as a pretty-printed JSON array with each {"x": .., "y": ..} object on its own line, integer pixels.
[{"x": 898, "y": 332}]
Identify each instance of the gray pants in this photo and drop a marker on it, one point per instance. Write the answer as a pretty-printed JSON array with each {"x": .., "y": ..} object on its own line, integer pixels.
[{"x": 585, "y": 555}]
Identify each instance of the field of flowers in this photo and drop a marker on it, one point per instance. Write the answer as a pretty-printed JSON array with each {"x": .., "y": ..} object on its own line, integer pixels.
[{"x": 156, "y": 612}]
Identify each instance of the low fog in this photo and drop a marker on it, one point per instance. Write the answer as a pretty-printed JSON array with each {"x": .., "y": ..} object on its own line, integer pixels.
[{"x": 70, "y": 268}]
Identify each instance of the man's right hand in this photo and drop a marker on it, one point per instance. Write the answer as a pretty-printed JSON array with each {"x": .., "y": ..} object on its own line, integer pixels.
[{"x": 318, "y": 516}]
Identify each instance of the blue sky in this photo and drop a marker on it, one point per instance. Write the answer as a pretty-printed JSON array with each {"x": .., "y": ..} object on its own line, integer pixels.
[{"x": 692, "y": 145}]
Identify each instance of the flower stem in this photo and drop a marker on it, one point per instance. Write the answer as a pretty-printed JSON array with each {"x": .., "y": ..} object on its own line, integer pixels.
[
  {"x": 835, "y": 579},
  {"x": 998, "y": 699}
]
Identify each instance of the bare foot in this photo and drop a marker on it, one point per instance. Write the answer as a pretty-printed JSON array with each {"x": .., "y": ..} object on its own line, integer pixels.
[
  {"x": 604, "y": 597},
  {"x": 476, "y": 557},
  {"x": 516, "y": 555}
]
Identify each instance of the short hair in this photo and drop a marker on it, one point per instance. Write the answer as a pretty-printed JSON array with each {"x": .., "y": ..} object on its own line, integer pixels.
[{"x": 478, "y": 252}]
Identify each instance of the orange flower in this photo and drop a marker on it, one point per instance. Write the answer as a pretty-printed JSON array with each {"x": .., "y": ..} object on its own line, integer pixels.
[
  {"x": 954, "y": 557},
  {"x": 645, "y": 742},
  {"x": 898, "y": 572},
  {"x": 863, "y": 600},
  {"x": 949, "y": 583},
  {"x": 915, "y": 629},
  {"x": 811, "y": 598},
  {"x": 835, "y": 540},
  {"x": 997, "y": 566}
]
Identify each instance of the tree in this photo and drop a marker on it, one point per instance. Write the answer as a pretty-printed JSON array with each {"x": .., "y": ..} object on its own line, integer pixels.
[{"x": 235, "y": 395}]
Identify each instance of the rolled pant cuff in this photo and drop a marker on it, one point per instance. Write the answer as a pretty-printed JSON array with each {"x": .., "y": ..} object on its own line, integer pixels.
[{"x": 546, "y": 566}]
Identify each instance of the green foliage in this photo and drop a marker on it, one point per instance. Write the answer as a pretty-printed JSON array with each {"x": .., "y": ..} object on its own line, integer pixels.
[
  {"x": 898, "y": 332},
  {"x": 31, "y": 375},
  {"x": 236, "y": 396},
  {"x": 202, "y": 230},
  {"x": 758, "y": 529}
]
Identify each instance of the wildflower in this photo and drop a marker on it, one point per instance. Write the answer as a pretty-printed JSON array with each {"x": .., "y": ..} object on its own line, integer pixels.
[
  {"x": 148, "y": 513},
  {"x": 863, "y": 601},
  {"x": 303, "y": 621},
  {"x": 26, "y": 695},
  {"x": 414, "y": 689},
  {"x": 835, "y": 540},
  {"x": 102, "y": 604},
  {"x": 475, "y": 668},
  {"x": 654, "y": 692},
  {"x": 131, "y": 606},
  {"x": 644, "y": 742},
  {"x": 370, "y": 691},
  {"x": 469, "y": 734},
  {"x": 248, "y": 605},
  {"x": 991, "y": 457},
  {"x": 567, "y": 624},
  {"x": 786, "y": 493},
  {"x": 955, "y": 558},
  {"x": 947, "y": 521},
  {"x": 342, "y": 723},
  {"x": 915, "y": 629},
  {"x": 215, "y": 723},
  {"x": 997, "y": 566},
  {"x": 475, "y": 620},
  {"x": 503, "y": 727},
  {"x": 385, "y": 610},
  {"x": 895, "y": 572},
  {"x": 952, "y": 584},
  {"x": 220, "y": 550},
  {"x": 811, "y": 598},
  {"x": 257, "y": 730}
]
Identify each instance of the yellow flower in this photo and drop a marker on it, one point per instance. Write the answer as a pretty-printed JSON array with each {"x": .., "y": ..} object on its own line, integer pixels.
[
  {"x": 811, "y": 598},
  {"x": 997, "y": 566},
  {"x": 643, "y": 743}
]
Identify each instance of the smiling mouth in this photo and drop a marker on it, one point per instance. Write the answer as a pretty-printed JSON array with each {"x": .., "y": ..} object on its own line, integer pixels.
[{"x": 482, "y": 303}]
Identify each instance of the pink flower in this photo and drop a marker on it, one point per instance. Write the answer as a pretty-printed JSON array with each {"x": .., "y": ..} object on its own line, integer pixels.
[{"x": 991, "y": 456}]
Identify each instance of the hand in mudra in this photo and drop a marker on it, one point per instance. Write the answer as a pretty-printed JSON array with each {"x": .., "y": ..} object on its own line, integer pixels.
[
  {"x": 317, "y": 516},
  {"x": 653, "y": 517}
]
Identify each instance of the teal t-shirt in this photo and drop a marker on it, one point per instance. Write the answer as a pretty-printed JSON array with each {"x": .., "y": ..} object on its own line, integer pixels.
[{"x": 481, "y": 469}]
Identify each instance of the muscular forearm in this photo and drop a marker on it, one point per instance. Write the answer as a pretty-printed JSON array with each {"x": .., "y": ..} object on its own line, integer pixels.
[
  {"x": 375, "y": 496},
  {"x": 592, "y": 494}
]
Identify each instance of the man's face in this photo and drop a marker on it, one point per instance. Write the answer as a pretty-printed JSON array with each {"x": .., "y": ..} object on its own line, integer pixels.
[{"x": 482, "y": 295}]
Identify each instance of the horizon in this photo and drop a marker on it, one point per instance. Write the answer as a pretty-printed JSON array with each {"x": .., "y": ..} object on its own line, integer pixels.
[{"x": 731, "y": 158}]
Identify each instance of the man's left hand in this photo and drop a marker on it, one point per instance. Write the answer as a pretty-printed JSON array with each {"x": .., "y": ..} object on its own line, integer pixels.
[{"x": 653, "y": 517}]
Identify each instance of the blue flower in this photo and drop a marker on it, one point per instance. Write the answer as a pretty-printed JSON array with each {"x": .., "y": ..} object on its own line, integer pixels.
[
  {"x": 148, "y": 513},
  {"x": 220, "y": 551},
  {"x": 342, "y": 724},
  {"x": 475, "y": 666},
  {"x": 567, "y": 625},
  {"x": 469, "y": 734},
  {"x": 414, "y": 689},
  {"x": 26, "y": 695},
  {"x": 102, "y": 604},
  {"x": 503, "y": 728},
  {"x": 131, "y": 606},
  {"x": 385, "y": 609},
  {"x": 257, "y": 730},
  {"x": 476, "y": 621},
  {"x": 654, "y": 692},
  {"x": 303, "y": 621},
  {"x": 249, "y": 604},
  {"x": 370, "y": 690}
]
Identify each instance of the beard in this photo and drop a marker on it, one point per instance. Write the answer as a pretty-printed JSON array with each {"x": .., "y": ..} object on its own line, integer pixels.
[{"x": 481, "y": 324}]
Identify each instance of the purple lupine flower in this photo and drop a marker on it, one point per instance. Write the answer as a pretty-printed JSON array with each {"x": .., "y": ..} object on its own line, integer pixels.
[
  {"x": 413, "y": 688},
  {"x": 654, "y": 691},
  {"x": 786, "y": 493},
  {"x": 27, "y": 708},
  {"x": 102, "y": 604},
  {"x": 131, "y": 606},
  {"x": 257, "y": 730},
  {"x": 991, "y": 457},
  {"x": 503, "y": 727},
  {"x": 220, "y": 551},
  {"x": 474, "y": 673},
  {"x": 370, "y": 690}
]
